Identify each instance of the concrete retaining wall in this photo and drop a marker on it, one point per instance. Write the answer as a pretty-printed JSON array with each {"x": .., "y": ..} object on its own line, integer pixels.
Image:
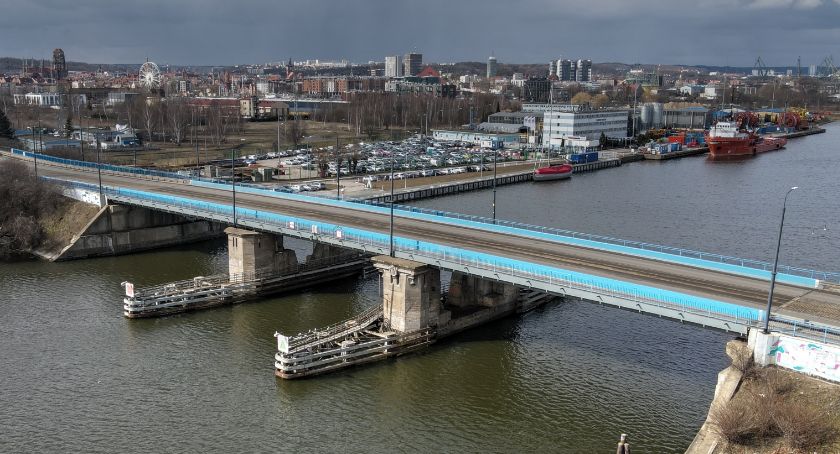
[
  {"x": 796, "y": 353},
  {"x": 121, "y": 229}
]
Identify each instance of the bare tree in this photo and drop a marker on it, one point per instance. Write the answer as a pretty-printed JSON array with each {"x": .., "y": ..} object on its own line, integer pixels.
[{"x": 177, "y": 116}]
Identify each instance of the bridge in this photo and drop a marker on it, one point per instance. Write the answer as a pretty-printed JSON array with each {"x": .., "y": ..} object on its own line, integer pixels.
[{"x": 711, "y": 290}]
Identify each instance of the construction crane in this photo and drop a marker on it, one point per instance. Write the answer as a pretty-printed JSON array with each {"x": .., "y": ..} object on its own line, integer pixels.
[
  {"x": 828, "y": 67},
  {"x": 759, "y": 68}
]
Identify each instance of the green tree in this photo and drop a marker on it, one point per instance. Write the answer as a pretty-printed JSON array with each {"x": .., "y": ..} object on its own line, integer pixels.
[
  {"x": 6, "y": 130},
  {"x": 68, "y": 127}
]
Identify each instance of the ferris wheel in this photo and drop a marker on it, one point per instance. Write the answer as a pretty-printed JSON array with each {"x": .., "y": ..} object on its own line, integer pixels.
[{"x": 149, "y": 76}]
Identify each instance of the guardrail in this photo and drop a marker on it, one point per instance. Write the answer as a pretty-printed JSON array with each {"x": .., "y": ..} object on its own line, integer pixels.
[
  {"x": 539, "y": 276},
  {"x": 754, "y": 268}
]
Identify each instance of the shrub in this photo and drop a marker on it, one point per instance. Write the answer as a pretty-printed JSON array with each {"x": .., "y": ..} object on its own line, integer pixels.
[
  {"x": 802, "y": 425},
  {"x": 775, "y": 382},
  {"x": 735, "y": 423},
  {"x": 24, "y": 200}
]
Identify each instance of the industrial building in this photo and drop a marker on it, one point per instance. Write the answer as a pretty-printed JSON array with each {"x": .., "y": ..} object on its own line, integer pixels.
[
  {"x": 486, "y": 140},
  {"x": 585, "y": 123},
  {"x": 536, "y": 89},
  {"x": 393, "y": 66},
  {"x": 654, "y": 115}
]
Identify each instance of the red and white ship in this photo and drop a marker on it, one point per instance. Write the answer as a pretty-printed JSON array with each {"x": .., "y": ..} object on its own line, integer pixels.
[
  {"x": 726, "y": 139},
  {"x": 553, "y": 172}
]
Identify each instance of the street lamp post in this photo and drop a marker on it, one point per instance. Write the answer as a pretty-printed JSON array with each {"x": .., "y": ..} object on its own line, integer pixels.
[
  {"x": 337, "y": 171},
  {"x": 391, "y": 224},
  {"x": 233, "y": 183},
  {"x": 494, "y": 185},
  {"x": 776, "y": 264},
  {"x": 99, "y": 172}
]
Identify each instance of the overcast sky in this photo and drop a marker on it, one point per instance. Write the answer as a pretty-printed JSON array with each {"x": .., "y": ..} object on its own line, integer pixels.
[{"x": 220, "y": 32}]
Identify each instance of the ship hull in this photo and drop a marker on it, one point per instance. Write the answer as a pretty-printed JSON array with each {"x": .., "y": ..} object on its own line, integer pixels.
[
  {"x": 556, "y": 172},
  {"x": 735, "y": 147}
]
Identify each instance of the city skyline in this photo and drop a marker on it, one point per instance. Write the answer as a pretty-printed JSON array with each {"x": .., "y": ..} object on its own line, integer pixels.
[{"x": 192, "y": 32}]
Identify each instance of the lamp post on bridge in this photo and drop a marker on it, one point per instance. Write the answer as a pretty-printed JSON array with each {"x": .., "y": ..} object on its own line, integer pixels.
[
  {"x": 391, "y": 223},
  {"x": 233, "y": 182},
  {"x": 99, "y": 172},
  {"x": 776, "y": 263}
]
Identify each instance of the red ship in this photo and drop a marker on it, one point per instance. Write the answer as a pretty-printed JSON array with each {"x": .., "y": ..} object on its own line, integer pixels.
[{"x": 726, "y": 139}]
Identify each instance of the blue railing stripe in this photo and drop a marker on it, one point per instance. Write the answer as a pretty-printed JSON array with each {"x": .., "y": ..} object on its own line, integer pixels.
[
  {"x": 427, "y": 249},
  {"x": 746, "y": 267}
]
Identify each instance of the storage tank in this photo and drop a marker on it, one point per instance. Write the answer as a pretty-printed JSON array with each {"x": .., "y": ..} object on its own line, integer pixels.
[
  {"x": 646, "y": 115},
  {"x": 658, "y": 114}
]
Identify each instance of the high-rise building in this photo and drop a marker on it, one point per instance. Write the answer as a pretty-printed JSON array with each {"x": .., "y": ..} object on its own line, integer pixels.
[
  {"x": 491, "y": 67},
  {"x": 566, "y": 69},
  {"x": 552, "y": 68},
  {"x": 59, "y": 66},
  {"x": 412, "y": 64},
  {"x": 393, "y": 66},
  {"x": 584, "y": 71}
]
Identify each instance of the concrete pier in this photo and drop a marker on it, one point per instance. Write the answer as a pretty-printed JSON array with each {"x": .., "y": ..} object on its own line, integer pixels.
[
  {"x": 258, "y": 265},
  {"x": 410, "y": 293},
  {"x": 410, "y": 318}
]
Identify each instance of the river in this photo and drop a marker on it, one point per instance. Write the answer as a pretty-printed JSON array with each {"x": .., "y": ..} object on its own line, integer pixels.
[{"x": 570, "y": 377}]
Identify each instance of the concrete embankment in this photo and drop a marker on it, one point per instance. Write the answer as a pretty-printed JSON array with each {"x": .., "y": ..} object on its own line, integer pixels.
[
  {"x": 120, "y": 229},
  {"x": 729, "y": 380},
  {"x": 81, "y": 230}
]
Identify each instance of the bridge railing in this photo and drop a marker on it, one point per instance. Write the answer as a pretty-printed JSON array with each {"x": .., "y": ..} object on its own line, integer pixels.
[
  {"x": 680, "y": 252},
  {"x": 596, "y": 240},
  {"x": 537, "y": 276}
]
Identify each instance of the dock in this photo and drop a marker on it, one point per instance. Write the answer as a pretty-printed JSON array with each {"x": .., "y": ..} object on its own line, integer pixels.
[
  {"x": 676, "y": 154},
  {"x": 204, "y": 292},
  {"x": 482, "y": 183},
  {"x": 367, "y": 338}
]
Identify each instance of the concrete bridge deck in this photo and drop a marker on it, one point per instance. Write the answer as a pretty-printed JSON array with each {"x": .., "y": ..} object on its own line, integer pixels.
[{"x": 793, "y": 299}]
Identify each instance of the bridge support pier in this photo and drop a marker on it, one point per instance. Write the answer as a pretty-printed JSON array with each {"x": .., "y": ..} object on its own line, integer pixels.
[
  {"x": 469, "y": 291},
  {"x": 410, "y": 293},
  {"x": 252, "y": 253}
]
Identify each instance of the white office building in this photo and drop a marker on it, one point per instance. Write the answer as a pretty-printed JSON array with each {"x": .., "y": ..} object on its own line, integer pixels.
[
  {"x": 588, "y": 124},
  {"x": 393, "y": 66}
]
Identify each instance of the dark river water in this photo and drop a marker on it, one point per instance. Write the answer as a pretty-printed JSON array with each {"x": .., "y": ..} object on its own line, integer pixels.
[{"x": 75, "y": 376}]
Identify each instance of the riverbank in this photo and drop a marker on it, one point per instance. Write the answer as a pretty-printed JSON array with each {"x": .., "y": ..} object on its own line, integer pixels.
[{"x": 768, "y": 409}]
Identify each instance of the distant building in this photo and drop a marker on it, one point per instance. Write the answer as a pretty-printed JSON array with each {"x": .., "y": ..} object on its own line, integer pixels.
[
  {"x": 536, "y": 90},
  {"x": 412, "y": 64},
  {"x": 687, "y": 118},
  {"x": 552, "y": 68},
  {"x": 119, "y": 97},
  {"x": 394, "y": 66},
  {"x": 429, "y": 85},
  {"x": 492, "y": 67},
  {"x": 59, "y": 65},
  {"x": 488, "y": 140},
  {"x": 584, "y": 123},
  {"x": 38, "y": 99},
  {"x": 583, "y": 71},
  {"x": 185, "y": 86}
]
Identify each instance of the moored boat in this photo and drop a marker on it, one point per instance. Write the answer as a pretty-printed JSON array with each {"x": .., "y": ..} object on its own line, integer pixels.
[
  {"x": 726, "y": 139},
  {"x": 553, "y": 172}
]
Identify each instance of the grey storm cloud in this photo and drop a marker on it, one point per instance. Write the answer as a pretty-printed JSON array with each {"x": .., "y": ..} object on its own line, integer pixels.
[{"x": 216, "y": 32}]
